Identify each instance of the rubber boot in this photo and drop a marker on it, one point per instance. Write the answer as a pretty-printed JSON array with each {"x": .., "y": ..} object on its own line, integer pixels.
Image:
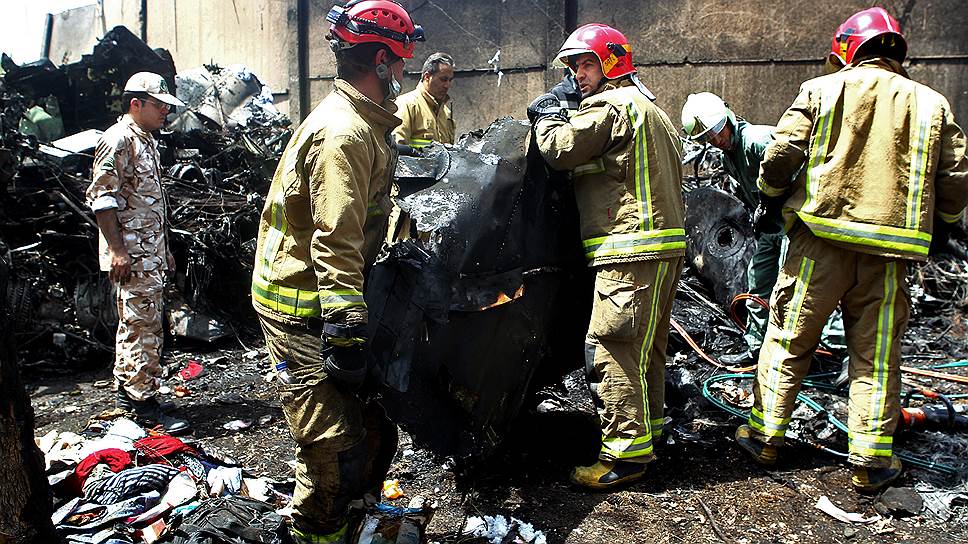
[
  {"x": 605, "y": 475},
  {"x": 764, "y": 454},
  {"x": 149, "y": 414},
  {"x": 124, "y": 402},
  {"x": 872, "y": 480}
]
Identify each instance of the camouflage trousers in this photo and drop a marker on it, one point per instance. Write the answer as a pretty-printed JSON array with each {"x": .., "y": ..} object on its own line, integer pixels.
[
  {"x": 344, "y": 444},
  {"x": 625, "y": 353},
  {"x": 137, "y": 350}
]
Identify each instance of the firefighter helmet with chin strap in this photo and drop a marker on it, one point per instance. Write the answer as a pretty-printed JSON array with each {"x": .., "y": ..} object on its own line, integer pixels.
[
  {"x": 609, "y": 45},
  {"x": 869, "y": 27},
  {"x": 704, "y": 115},
  {"x": 374, "y": 21}
]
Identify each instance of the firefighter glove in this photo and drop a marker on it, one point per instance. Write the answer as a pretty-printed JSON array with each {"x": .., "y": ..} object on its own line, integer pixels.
[
  {"x": 546, "y": 105},
  {"x": 408, "y": 151},
  {"x": 765, "y": 216},
  {"x": 342, "y": 352},
  {"x": 940, "y": 237},
  {"x": 568, "y": 93}
]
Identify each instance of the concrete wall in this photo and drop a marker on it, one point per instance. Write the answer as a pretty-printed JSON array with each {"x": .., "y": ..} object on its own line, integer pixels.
[{"x": 754, "y": 53}]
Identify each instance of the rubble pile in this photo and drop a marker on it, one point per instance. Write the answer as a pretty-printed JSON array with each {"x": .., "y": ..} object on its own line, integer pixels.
[{"x": 215, "y": 175}]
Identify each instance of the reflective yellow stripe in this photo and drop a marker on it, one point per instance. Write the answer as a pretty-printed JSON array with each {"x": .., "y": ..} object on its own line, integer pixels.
[
  {"x": 646, "y": 348},
  {"x": 768, "y": 425},
  {"x": 633, "y": 243},
  {"x": 883, "y": 342},
  {"x": 792, "y": 319},
  {"x": 657, "y": 426},
  {"x": 818, "y": 149},
  {"x": 418, "y": 143},
  {"x": 948, "y": 217},
  {"x": 373, "y": 209},
  {"x": 894, "y": 238},
  {"x": 768, "y": 189},
  {"x": 596, "y": 166},
  {"x": 313, "y": 538},
  {"x": 296, "y": 302},
  {"x": 919, "y": 160},
  {"x": 640, "y": 161},
  {"x": 870, "y": 445},
  {"x": 626, "y": 448}
]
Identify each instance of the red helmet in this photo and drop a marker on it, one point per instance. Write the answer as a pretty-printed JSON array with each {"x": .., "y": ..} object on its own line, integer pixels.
[
  {"x": 609, "y": 45},
  {"x": 381, "y": 21},
  {"x": 862, "y": 27}
]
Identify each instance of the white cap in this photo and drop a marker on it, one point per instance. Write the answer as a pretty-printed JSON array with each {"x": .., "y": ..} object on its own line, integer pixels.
[{"x": 153, "y": 85}]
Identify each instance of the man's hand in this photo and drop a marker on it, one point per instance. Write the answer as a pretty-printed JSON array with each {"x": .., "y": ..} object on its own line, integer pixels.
[
  {"x": 120, "y": 264},
  {"x": 567, "y": 91},
  {"x": 765, "y": 217},
  {"x": 544, "y": 106}
]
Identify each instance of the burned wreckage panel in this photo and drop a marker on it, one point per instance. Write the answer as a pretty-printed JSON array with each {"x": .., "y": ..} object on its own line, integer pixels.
[{"x": 490, "y": 302}]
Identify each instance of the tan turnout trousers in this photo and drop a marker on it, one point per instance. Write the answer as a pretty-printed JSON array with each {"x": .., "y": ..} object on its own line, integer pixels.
[
  {"x": 873, "y": 294},
  {"x": 626, "y": 353}
]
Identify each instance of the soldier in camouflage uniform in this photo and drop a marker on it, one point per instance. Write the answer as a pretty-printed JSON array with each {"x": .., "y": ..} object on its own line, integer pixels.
[{"x": 127, "y": 198}]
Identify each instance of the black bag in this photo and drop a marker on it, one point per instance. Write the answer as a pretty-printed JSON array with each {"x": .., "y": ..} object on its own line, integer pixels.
[{"x": 230, "y": 520}]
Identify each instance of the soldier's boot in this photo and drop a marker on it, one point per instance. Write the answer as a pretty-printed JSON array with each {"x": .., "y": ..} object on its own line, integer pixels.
[
  {"x": 124, "y": 402},
  {"x": 149, "y": 413},
  {"x": 764, "y": 454},
  {"x": 605, "y": 475},
  {"x": 872, "y": 480}
]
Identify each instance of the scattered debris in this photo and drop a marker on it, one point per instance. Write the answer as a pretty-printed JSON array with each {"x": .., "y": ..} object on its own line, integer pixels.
[
  {"x": 834, "y": 511},
  {"x": 899, "y": 502},
  {"x": 501, "y": 530}
]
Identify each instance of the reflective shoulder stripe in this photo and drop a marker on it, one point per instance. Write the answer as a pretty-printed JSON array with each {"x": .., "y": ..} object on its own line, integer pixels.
[
  {"x": 894, "y": 238},
  {"x": 596, "y": 166},
  {"x": 633, "y": 243},
  {"x": 925, "y": 104},
  {"x": 768, "y": 189},
  {"x": 948, "y": 217},
  {"x": 287, "y": 300},
  {"x": 640, "y": 166},
  {"x": 818, "y": 147}
]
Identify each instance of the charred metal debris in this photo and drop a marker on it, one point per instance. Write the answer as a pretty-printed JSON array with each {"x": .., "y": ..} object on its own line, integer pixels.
[{"x": 217, "y": 161}]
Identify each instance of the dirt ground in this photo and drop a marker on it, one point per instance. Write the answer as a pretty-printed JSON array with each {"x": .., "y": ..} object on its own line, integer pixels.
[{"x": 700, "y": 483}]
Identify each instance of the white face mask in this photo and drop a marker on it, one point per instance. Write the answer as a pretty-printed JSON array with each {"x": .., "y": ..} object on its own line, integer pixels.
[{"x": 395, "y": 88}]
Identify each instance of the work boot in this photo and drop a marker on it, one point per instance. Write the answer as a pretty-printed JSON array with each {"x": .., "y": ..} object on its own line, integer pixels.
[
  {"x": 742, "y": 359},
  {"x": 149, "y": 413},
  {"x": 607, "y": 474},
  {"x": 872, "y": 480},
  {"x": 764, "y": 454},
  {"x": 124, "y": 402}
]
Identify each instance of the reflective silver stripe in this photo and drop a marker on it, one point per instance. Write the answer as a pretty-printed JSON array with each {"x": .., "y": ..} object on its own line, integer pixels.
[
  {"x": 596, "y": 166},
  {"x": 913, "y": 241},
  {"x": 818, "y": 148},
  {"x": 883, "y": 342},
  {"x": 919, "y": 158},
  {"x": 640, "y": 161}
]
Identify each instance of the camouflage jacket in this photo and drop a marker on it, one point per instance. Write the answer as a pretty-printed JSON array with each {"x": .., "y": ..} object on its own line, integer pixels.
[{"x": 127, "y": 177}]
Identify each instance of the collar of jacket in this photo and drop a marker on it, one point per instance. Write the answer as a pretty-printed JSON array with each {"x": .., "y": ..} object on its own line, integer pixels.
[
  {"x": 434, "y": 105},
  {"x": 140, "y": 132},
  {"x": 737, "y": 138},
  {"x": 615, "y": 84},
  {"x": 883, "y": 63},
  {"x": 381, "y": 114}
]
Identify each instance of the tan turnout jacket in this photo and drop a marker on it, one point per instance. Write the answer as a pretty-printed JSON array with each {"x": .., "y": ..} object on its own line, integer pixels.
[
  {"x": 424, "y": 119},
  {"x": 881, "y": 157},
  {"x": 626, "y": 161},
  {"x": 325, "y": 209}
]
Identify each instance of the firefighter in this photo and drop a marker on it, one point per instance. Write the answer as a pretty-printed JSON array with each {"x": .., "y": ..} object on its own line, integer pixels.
[
  {"x": 425, "y": 111},
  {"x": 426, "y": 117},
  {"x": 624, "y": 155},
  {"x": 128, "y": 200},
  {"x": 324, "y": 218},
  {"x": 884, "y": 173},
  {"x": 706, "y": 118}
]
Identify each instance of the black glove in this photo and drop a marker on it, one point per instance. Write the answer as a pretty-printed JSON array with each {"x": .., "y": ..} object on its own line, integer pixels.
[
  {"x": 342, "y": 352},
  {"x": 408, "y": 151},
  {"x": 567, "y": 91},
  {"x": 767, "y": 213},
  {"x": 544, "y": 106},
  {"x": 940, "y": 237}
]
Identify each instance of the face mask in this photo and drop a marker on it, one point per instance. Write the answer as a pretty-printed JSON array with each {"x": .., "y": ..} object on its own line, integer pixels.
[{"x": 395, "y": 88}]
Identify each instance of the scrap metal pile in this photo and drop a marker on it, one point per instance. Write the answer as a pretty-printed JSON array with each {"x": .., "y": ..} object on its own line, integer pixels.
[{"x": 217, "y": 164}]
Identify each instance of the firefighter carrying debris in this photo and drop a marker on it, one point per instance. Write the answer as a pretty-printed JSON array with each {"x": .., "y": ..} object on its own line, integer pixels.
[
  {"x": 884, "y": 175},
  {"x": 625, "y": 158},
  {"x": 324, "y": 218}
]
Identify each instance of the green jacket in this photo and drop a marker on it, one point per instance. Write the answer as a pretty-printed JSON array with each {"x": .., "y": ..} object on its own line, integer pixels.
[
  {"x": 882, "y": 157},
  {"x": 742, "y": 162}
]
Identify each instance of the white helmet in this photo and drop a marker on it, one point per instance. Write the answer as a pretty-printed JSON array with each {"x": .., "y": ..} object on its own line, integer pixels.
[{"x": 705, "y": 115}]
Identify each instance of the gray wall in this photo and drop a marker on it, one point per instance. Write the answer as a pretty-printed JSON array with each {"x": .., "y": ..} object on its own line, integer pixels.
[{"x": 753, "y": 53}]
